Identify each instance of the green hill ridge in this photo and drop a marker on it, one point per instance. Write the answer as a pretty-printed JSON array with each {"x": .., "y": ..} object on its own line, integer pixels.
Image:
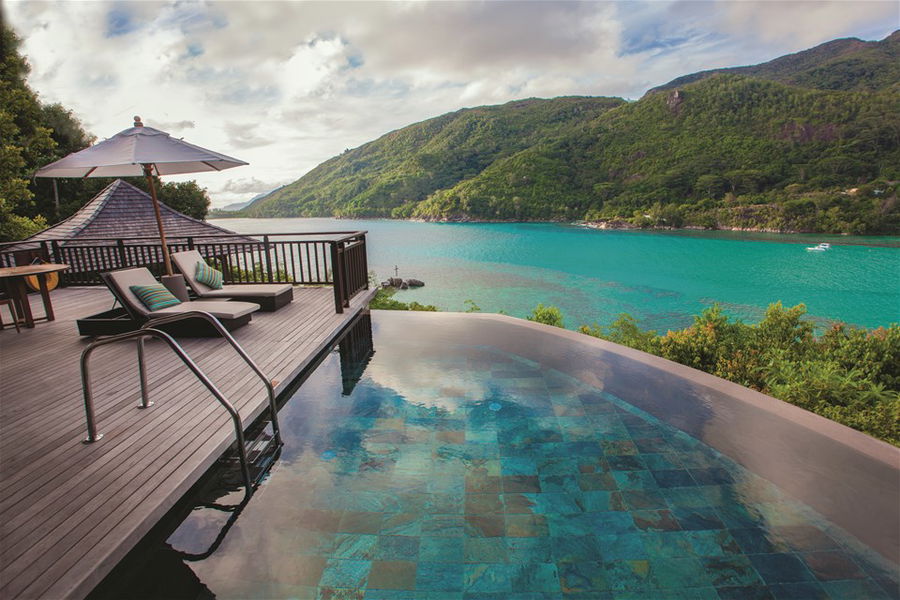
[{"x": 807, "y": 142}]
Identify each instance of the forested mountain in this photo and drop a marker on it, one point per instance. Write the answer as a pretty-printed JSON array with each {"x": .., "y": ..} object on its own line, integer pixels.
[
  {"x": 803, "y": 143},
  {"x": 845, "y": 64}
]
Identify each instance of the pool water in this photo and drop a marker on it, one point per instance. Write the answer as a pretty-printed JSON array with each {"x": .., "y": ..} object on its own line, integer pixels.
[{"x": 452, "y": 471}]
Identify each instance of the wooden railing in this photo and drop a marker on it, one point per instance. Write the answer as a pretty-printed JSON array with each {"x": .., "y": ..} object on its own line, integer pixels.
[{"x": 328, "y": 258}]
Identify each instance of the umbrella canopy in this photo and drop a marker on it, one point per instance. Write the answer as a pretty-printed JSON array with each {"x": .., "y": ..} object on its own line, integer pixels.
[
  {"x": 126, "y": 153},
  {"x": 138, "y": 151}
]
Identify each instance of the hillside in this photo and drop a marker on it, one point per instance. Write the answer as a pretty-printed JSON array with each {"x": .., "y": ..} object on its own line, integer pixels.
[
  {"x": 848, "y": 64},
  {"x": 720, "y": 150},
  {"x": 408, "y": 164}
]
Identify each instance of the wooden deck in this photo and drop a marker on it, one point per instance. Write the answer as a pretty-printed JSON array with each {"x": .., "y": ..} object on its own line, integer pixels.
[{"x": 70, "y": 511}]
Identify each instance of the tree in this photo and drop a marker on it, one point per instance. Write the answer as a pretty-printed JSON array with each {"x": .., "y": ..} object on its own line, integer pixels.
[{"x": 23, "y": 141}]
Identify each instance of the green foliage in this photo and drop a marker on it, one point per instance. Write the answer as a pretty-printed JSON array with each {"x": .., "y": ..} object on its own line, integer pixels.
[
  {"x": 776, "y": 147},
  {"x": 384, "y": 300},
  {"x": 847, "y": 374},
  {"x": 548, "y": 315},
  {"x": 471, "y": 306}
]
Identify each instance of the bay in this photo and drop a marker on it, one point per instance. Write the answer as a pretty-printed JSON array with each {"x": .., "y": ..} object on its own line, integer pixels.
[{"x": 660, "y": 278}]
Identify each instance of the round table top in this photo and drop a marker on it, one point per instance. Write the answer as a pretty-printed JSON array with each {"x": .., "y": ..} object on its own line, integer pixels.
[{"x": 31, "y": 269}]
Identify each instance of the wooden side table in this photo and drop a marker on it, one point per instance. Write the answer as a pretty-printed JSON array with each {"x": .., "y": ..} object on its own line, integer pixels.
[{"x": 13, "y": 279}]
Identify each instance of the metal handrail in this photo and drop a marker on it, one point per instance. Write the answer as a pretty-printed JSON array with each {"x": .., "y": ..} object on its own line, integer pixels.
[
  {"x": 270, "y": 389},
  {"x": 93, "y": 436}
]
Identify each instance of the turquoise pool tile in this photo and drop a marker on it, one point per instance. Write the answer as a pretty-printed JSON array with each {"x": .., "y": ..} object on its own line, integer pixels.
[
  {"x": 555, "y": 503},
  {"x": 635, "y": 480},
  {"x": 396, "y": 547},
  {"x": 336, "y": 593},
  {"x": 441, "y": 549},
  {"x": 535, "y": 577},
  {"x": 521, "y": 484},
  {"x": 484, "y": 504},
  {"x": 674, "y": 573},
  {"x": 622, "y": 547},
  {"x": 392, "y": 575},
  {"x": 610, "y": 523},
  {"x": 354, "y": 546},
  {"x": 484, "y": 525},
  {"x": 780, "y": 568},
  {"x": 406, "y": 523},
  {"x": 439, "y": 577},
  {"x": 443, "y": 525},
  {"x": 628, "y": 575},
  {"x": 526, "y": 526},
  {"x": 731, "y": 571},
  {"x": 661, "y": 461},
  {"x": 583, "y": 577},
  {"x": 597, "y": 501},
  {"x": 860, "y": 589},
  {"x": 799, "y": 591},
  {"x": 750, "y": 592},
  {"x": 340, "y": 573},
  {"x": 485, "y": 550},
  {"x": 518, "y": 504},
  {"x": 713, "y": 543},
  {"x": 568, "y": 525},
  {"x": 626, "y": 463},
  {"x": 644, "y": 499},
  {"x": 448, "y": 503},
  {"x": 674, "y": 478},
  {"x": 670, "y": 544},
  {"x": 600, "y": 481},
  {"x": 575, "y": 549},
  {"x": 700, "y": 518},
  {"x": 560, "y": 484},
  {"x": 655, "y": 520},
  {"x": 529, "y": 549},
  {"x": 488, "y": 577},
  {"x": 517, "y": 465}
]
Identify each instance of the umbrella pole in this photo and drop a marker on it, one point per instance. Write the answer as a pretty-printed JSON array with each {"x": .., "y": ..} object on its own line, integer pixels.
[{"x": 162, "y": 234}]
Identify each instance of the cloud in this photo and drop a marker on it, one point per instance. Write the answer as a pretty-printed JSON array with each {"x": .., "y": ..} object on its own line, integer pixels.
[
  {"x": 287, "y": 85},
  {"x": 251, "y": 185}
]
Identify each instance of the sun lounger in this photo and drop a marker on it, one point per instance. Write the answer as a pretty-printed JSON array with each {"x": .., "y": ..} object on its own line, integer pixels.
[
  {"x": 231, "y": 314},
  {"x": 269, "y": 296}
]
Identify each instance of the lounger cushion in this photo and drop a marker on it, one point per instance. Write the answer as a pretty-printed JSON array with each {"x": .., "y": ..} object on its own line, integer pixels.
[
  {"x": 155, "y": 296},
  {"x": 220, "y": 309},
  {"x": 249, "y": 290},
  {"x": 207, "y": 275}
]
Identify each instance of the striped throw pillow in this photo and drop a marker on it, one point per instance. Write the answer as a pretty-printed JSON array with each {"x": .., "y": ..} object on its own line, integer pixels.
[
  {"x": 155, "y": 296},
  {"x": 208, "y": 276}
]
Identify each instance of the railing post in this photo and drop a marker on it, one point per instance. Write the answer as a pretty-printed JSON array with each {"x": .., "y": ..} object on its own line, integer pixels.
[
  {"x": 268, "y": 258},
  {"x": 123, "y": 255},
  {"x": 190, "y": 241},
  {"x": 337, "y": 277},
  {"x": 57, "y": 258}
]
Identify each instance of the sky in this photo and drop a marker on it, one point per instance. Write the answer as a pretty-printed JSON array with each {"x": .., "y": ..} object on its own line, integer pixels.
[{"x": 287, "y": 85}]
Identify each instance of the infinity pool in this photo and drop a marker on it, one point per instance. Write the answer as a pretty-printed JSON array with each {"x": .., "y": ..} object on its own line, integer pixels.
[{"x": 452, "y": 468}]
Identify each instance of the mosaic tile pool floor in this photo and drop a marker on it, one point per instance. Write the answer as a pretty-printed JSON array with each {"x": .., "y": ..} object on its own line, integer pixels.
[{"x": 465, "y": 473}]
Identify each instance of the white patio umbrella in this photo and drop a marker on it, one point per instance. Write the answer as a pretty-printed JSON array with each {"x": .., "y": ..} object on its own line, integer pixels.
[{"x": 140, "y": 151}]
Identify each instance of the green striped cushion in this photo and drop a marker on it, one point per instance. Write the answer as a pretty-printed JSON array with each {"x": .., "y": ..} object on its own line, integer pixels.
[
  {"x": 155, "y": 296},
  {"x": 208, "y": 276}
]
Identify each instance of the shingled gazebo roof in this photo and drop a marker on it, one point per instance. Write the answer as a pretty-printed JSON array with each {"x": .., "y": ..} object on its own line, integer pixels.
[{"x": 125, "y": 212}]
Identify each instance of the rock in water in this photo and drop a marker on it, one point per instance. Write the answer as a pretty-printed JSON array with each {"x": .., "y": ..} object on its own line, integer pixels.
[
  {"x": 403, "y": 285},
  {"x": 414, "y": 283},
  {"x": 395, "y": 281}
]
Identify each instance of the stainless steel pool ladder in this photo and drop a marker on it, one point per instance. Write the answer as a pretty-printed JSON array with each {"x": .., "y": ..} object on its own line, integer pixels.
[{"x": 148, "y": 330}]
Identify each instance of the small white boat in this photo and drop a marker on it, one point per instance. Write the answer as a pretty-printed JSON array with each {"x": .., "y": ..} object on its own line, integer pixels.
[{"x": 820, "y": 247}]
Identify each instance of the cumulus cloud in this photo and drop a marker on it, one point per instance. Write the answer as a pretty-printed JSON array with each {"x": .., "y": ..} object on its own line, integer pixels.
[{"x": 287, "y": 85}]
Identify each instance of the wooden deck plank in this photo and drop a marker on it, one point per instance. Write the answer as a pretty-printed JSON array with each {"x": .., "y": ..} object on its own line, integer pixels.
[{"x": 70, "y": 511}]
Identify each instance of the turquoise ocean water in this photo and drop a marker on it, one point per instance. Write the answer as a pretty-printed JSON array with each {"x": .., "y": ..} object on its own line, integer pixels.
[{"x": 661, "y": 278}]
